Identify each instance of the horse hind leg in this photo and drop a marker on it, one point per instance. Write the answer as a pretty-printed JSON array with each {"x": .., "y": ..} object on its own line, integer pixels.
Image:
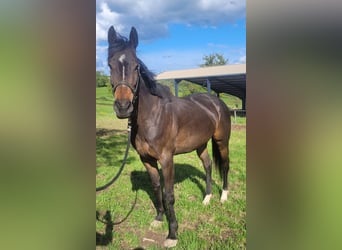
[
  {"x": 221, "y": 156},
  {"x": 202, "y": 153},
  {"x": 225, "y": 167}
]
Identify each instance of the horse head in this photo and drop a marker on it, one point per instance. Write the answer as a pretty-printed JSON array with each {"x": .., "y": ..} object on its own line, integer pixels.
[{"x": 124, "y": 70}]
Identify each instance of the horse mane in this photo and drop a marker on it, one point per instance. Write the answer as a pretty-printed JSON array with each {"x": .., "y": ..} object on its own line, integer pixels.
[{"x": 155, "y": 88}]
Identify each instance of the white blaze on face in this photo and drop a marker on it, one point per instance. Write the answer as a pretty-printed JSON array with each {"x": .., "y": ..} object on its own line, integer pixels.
[{"x": 121, "y": 60}]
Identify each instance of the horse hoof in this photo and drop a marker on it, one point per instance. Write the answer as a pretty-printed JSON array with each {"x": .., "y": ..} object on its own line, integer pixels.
[
  {"x": 156, "y": 224},
  {"x": 206, "y": 199},
  {"x": 224, "y": 196},
  {"x": 170, "y": 243}
]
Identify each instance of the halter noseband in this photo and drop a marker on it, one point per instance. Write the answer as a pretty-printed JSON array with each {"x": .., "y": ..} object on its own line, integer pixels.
[{"x": 124, "y": 83}]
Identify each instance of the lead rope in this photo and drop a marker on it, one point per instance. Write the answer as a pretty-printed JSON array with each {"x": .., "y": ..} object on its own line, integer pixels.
[{"x": 129, "y": 129}]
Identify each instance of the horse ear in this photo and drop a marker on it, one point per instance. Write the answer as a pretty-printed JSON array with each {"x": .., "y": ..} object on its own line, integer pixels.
[
  {"x": 133, "y": 37},
  {"x": 111, "y": 35}
]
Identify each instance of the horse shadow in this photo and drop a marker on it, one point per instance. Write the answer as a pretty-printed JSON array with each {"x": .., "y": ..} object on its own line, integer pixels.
[
  {"x": 141, "y": 180},
  {"x": 104, "y": 239},
  {"x": 110, "y": 146}
]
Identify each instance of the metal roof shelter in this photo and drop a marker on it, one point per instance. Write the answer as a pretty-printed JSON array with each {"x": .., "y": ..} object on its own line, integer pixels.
[{"x": 230, "y": 79}]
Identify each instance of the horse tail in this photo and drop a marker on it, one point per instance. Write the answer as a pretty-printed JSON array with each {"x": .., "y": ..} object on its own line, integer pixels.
[{"x": 217, "y": 157}]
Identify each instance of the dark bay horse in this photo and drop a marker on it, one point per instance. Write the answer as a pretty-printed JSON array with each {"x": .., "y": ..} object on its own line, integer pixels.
[{"x": 164, "y": 125}]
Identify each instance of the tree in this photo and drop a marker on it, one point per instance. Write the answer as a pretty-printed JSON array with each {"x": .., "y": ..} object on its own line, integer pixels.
[
  {"x": 213, "y": 60},
  {"x": 101, "y": 79}
]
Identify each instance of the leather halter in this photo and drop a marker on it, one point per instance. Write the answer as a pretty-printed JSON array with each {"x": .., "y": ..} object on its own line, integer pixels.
[{"x": 125, "y": 83}]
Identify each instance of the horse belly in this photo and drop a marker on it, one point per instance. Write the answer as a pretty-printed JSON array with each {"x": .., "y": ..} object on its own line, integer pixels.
[{"x": 190, "y": 140}]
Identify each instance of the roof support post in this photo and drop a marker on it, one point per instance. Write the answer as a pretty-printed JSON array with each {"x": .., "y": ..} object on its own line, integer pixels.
[
  {"x": 208, "y": 86},
  {"x": 244, "y": 103},
  {"x": 175, "y": 82}
]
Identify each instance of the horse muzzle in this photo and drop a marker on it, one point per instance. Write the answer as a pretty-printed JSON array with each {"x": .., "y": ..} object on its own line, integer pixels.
[{"x": 123, "y": 108}]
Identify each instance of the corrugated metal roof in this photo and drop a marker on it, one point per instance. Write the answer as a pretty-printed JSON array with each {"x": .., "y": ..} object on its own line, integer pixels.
[
  {"x": 229, "y": 78},
  {"x": 230, "y": 69}
]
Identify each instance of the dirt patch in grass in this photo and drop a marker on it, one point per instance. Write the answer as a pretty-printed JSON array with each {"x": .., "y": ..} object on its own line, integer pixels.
[
  {"x": 238, "y": 127},
  {"x": 109, "y": 132},
  {"x": 151, "y": 238},
  {"x": 146, "y": 238}
]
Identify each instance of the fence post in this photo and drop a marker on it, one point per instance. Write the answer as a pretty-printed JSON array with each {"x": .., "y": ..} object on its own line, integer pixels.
[
  {"x": 175, "y": 82},
  {"x": 208, "y": 86}
]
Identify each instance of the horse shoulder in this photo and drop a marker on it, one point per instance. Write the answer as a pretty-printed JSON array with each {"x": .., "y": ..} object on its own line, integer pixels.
[{"x": 156, "y": 133}]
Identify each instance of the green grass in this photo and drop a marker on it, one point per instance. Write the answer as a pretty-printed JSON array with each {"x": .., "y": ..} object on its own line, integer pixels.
[{"x": 128, "y": 202}]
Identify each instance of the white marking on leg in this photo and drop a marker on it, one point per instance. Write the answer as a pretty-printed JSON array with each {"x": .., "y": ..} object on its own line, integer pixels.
[
  {"x": 170, "y": 243},
  {"x": 156, "y": 224},
  {"x": 207, "y": 199},
  {"x": 224, "y": 196}
]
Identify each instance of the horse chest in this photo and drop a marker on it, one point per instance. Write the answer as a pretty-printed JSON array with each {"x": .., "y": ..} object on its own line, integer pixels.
[{"x": 144, "y": 147}]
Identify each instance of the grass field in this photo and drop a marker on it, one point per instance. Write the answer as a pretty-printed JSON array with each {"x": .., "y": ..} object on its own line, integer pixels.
[{"x": 127, "y": 206}]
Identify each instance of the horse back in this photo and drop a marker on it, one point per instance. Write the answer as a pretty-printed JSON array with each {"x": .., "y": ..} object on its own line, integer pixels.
[{"x": 198, "y": 116}]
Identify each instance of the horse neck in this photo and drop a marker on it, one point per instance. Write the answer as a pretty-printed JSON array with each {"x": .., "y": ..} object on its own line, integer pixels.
[{"x": 145, "y": 104}]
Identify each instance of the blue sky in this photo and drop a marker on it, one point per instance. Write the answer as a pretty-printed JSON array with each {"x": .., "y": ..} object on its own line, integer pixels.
[{"x": 174, "y": 35}]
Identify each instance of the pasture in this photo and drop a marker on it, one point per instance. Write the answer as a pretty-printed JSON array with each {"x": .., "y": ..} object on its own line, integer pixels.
[{"x": 127, "y": 206}]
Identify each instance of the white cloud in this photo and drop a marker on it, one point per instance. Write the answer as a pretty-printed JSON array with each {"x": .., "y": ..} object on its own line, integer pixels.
[
  {"x": 217, "y": 46},
  {"x": 152, "y": 17},
  {"x": 101, "y": 55},
  {"x": 236, "y": 55},
  {"x": 242, "y": 59},
  {"x": 104, "y": 19}
]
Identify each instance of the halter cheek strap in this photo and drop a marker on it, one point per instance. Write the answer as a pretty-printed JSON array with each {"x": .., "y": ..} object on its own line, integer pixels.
[{"x": 124, "y": 83}]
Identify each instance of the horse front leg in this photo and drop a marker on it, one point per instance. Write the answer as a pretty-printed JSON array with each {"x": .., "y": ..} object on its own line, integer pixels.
[
  {"x": 169, "y": 175},
  {"x": 152, "y": 169},
  {"x": 202, "y": 153}
]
